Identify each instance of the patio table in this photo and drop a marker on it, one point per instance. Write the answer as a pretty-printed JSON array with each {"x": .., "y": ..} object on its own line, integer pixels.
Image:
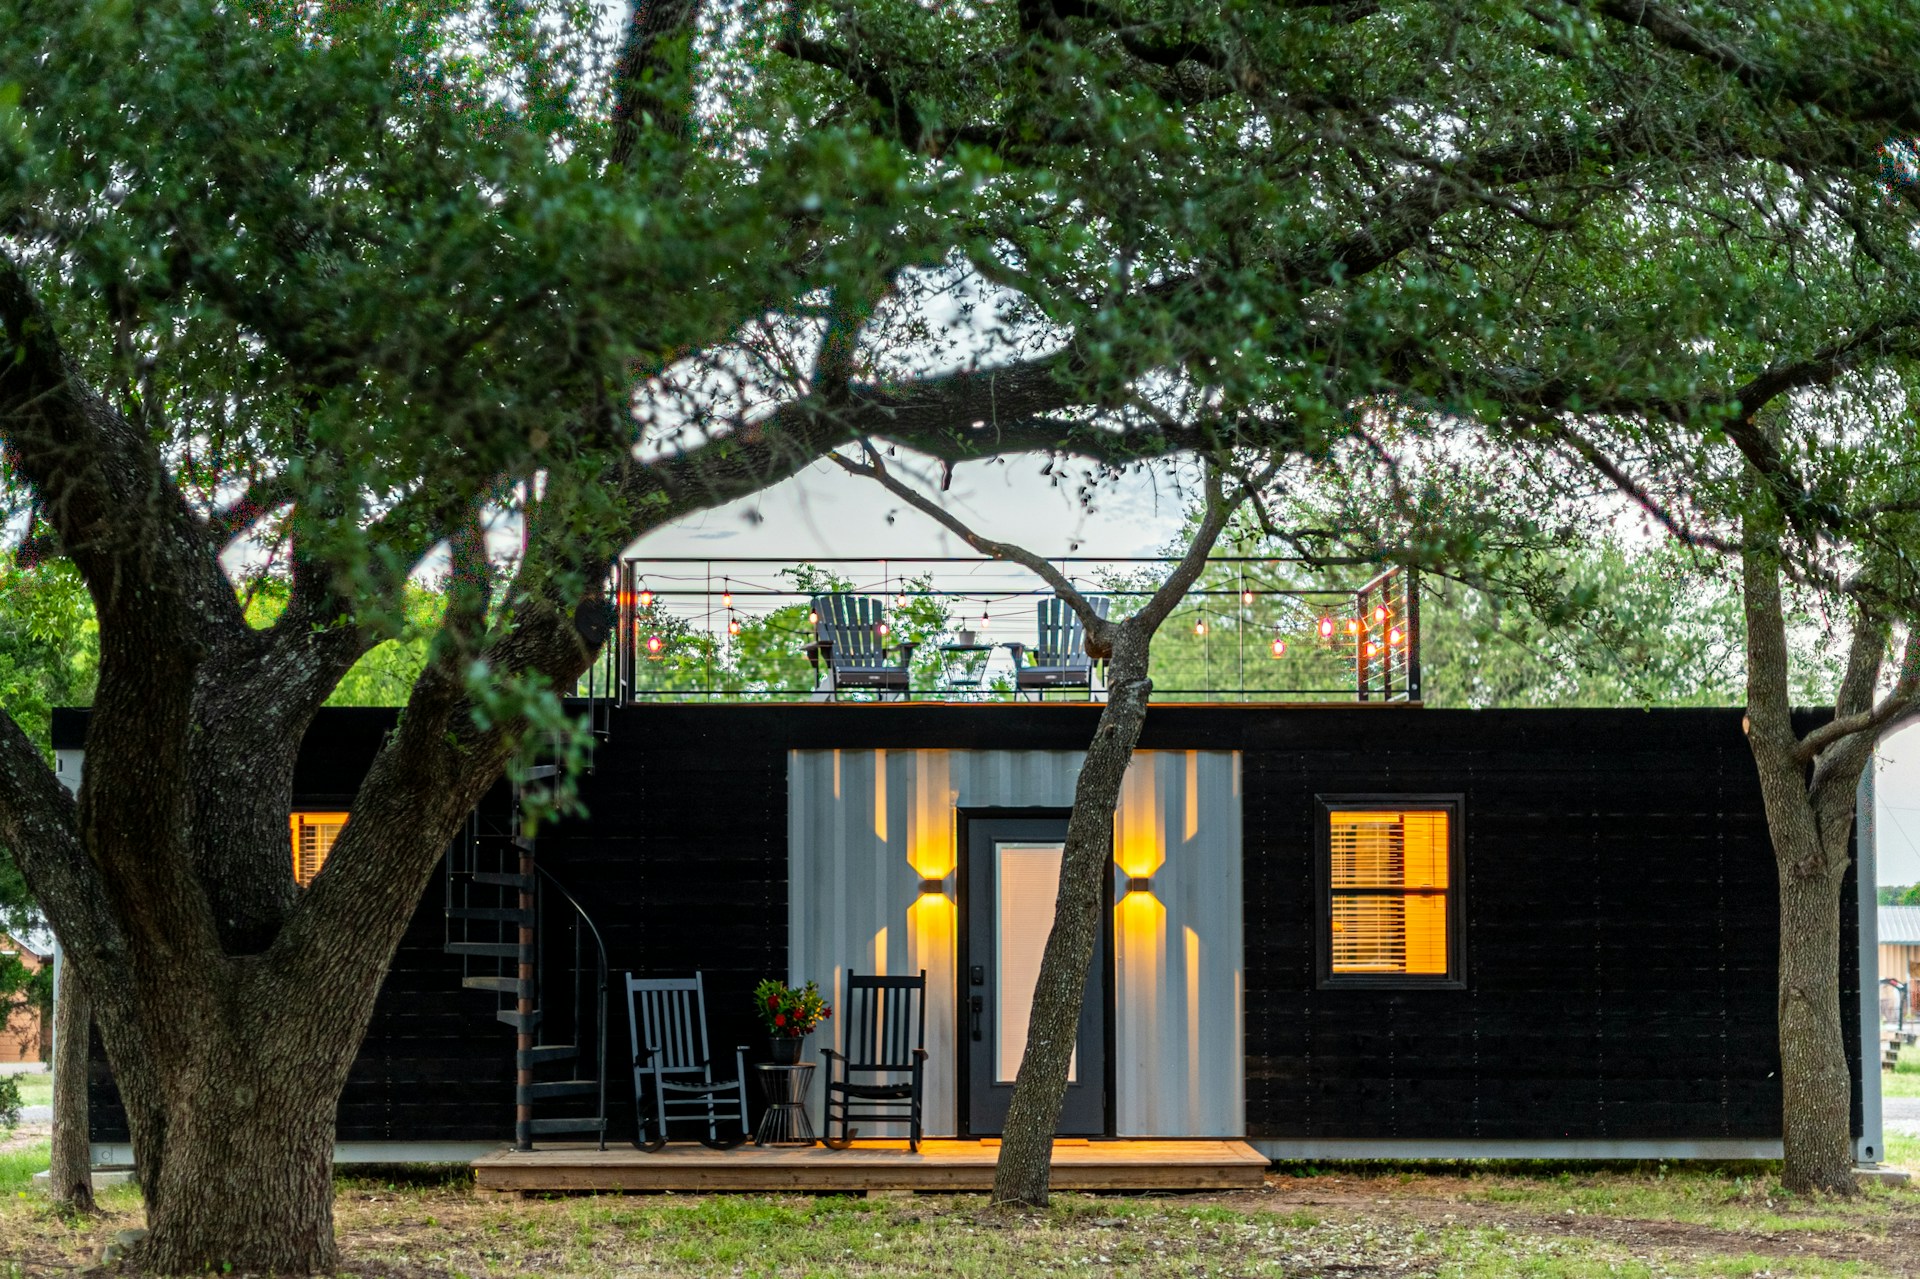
[{"x": 785, "y": 1122}]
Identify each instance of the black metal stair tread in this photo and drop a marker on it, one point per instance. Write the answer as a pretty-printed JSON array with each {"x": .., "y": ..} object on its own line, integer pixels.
[
  {"x": 565, "y": 1087},
  {"x": 515, "y": 1020},
  {"x": 595, "y": 1124},
  {"x": 544, "y": 1055},
  {"x": 503, "y": 879},
  {"x": 496, "y": 949},
  {"x": 505, "y": 985},
  {"x": 505, "y": 914}
]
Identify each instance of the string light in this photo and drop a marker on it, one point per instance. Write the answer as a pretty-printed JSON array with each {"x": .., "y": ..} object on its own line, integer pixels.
[
  {"x": 646, "y": 598},
  {"x": 654, "y": 645},
  {"x": 1326, "y": 628},
  {"x": 1380, "y": 612},
  {"x": 1394, "y": 636},
  {"x": 813, "y": 616},
  {"x": 879, "y": 628},
  {"x": 900, "y": 601},
  {"x": 733, "y": 623},
  {"x": 1200, "y": 626},
  {"x": 1370, "y": 647},
  {"x": 1279, "y": 647},
  {"x": 1353, "y": 626},
  {"x": 1246, "y": 597},
  {"x": 726, "y": 593}
]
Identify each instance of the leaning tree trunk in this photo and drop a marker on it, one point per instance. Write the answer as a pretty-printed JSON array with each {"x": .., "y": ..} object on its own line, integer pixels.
[
  {"x": 1023, "y": 1172},
  {"x": 70, "y": 1179},
  {"x": 1815, "y": 1084}
]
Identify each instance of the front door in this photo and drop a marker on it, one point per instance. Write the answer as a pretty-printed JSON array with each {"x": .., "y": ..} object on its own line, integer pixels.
[{"x": 1012, "y": 875}]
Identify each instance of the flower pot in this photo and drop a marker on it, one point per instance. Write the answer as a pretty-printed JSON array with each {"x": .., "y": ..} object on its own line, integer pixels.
[{"x": 786, "y": 1049}]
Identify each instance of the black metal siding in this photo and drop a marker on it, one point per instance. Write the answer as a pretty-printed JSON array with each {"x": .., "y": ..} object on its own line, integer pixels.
[{"x": 1621, "y": 917}]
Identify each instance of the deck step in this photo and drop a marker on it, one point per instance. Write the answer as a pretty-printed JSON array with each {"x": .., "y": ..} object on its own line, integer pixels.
[
  {"x": 493, "y": 949},
  {"x": 592, "y": 1124},
  {"x": 545, "y": 1054},
  {"x": 565, "y": 1087},
  {"x": 541, "y": 772},
  {"x": 528, "y": 1022},
  {"x": 501, "y": 914},
  {"x": 522, "y": 882},
  {"x": 504, "y": 985}
]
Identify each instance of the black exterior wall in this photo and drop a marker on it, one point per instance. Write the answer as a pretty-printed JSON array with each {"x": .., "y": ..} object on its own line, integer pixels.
[{"x": 1620, "y": 913}]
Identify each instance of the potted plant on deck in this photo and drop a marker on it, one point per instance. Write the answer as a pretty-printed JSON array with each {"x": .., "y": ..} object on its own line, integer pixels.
[{"x": 790, "y": 1015}]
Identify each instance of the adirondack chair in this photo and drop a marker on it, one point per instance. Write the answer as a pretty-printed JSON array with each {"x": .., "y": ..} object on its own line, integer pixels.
[
  {"x": 1060, "y": 658},
  {"x": 667, "y": 1025},
  {"x": 848, "y": 636},
  {"x": 885, "y": 1019}
]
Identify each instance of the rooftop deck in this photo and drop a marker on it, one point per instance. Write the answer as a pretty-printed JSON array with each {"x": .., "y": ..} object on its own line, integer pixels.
[
  {"x": 1250, "y": 630},
  {"x": 870, "y": 1165}
]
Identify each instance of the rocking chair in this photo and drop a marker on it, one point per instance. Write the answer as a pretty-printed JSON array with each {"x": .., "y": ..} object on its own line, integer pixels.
[
  {"x": 667, "y": 1025},
  {"x": 886, "y": 1026}
]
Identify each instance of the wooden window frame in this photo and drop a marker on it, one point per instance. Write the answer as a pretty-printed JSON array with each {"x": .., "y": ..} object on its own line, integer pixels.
[{"x": 1455, "y": 978}]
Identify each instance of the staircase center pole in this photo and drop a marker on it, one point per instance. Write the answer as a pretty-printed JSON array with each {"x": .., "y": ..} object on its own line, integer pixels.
[{"x": 523, "y": 1004}]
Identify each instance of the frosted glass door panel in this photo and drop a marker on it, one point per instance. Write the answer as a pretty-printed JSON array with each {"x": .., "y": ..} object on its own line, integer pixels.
[{"x": 1029, "y": 881}]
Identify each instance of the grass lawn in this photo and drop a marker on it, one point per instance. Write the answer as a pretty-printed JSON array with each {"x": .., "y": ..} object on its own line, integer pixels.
[
  {"x": 36, "y": 1089},
  {"x": 1904, "y": 1079},
  {"x": 1452, "y": 1221}
]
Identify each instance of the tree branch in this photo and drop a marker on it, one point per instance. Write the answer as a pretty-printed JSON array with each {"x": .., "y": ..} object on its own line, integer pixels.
[{"x": 1899, "y": 700}]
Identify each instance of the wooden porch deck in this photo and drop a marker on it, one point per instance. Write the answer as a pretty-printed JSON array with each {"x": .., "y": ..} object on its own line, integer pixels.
[{"x": 870, "y": 1165}]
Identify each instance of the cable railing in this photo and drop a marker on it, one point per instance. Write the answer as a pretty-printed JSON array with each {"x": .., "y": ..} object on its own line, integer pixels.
[{"x": 1251, "y": 629}]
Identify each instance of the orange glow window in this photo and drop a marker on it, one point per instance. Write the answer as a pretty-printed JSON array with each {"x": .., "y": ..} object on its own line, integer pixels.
[
  {"x": 1388, "y": 876},
  {"x": 313, "y": 838}
]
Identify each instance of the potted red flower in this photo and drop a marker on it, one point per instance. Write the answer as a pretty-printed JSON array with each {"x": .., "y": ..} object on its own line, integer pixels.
[{"x": 790, "y": 1015}]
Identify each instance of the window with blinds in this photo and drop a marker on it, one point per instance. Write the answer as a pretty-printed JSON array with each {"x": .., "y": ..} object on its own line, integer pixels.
[
  {"x": 313, "y": 838},
  {"x": 1388, "y": 873}
]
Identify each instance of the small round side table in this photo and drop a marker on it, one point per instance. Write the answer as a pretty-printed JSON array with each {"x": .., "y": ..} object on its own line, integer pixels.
[{"x": 785, "y": 1122}]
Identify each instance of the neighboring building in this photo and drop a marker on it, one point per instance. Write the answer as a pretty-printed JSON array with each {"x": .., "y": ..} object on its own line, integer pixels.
[
  {"x": 23, "y": 1033},
  {"x": 1899, "y": 961}
]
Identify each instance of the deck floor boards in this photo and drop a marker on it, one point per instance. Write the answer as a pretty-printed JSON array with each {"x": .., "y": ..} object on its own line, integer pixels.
[{"x": 869, "y": 1165}]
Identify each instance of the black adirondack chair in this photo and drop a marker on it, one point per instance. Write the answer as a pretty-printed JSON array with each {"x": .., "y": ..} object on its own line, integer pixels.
[
  {"x": 667, "y": 1023},
  {"x": 885, "y": 1019},
  {"x": 848, "y": 636},
  {"x": 1060, "y": 658}
]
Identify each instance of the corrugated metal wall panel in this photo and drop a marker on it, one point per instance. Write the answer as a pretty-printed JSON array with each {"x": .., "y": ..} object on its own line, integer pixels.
[{"x": 868, "y": 825}]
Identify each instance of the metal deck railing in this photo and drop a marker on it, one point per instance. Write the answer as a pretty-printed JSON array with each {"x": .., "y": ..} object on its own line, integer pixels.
[{"x": 1251, "y": 629}]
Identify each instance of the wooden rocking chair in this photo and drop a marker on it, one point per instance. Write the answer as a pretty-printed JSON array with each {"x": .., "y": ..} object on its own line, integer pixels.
[
  {"x": 667, "y": 1025},
  {"x": 886, "y": 1029}
]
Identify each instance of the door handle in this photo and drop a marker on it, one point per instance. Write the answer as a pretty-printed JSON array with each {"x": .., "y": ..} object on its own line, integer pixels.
[{"x": 976, "y": 1004}]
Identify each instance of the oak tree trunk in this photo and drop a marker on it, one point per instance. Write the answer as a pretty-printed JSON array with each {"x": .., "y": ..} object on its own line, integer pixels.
[
  {"x": 1023, "y": 1173},
  {"x": 1815, "y": 1084},
  {"x": 70, "y": 1178}
]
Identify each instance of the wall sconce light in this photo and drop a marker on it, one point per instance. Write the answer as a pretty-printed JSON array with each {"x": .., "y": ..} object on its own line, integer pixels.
[
  {"x": 1139, "y": 883},
  {"x": 933, "y": 887}
]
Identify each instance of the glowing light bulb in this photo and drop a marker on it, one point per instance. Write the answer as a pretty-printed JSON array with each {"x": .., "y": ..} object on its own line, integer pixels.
[
  {"x": 1246, "y": 597},
  {"x": 655, "y": 644},
  {"x": 1370, "y": 648},
  {"x": 726, "y": 599},
  {"x": 813, "y": 615},
  {"x": 899, "y": 601},
  {"x": 1380, "y": 612},
  {"x": 1353, "y": 626},
  {"x": 1279, "y": 647},
  {"x": 880, "y": 628},
  {"x": 1200, "y": 627},
  {"x": 1326, "y": 628},
  {"x": 733, "y": 625},
  {"x": 646, "y": 599},
  {"x": 1394, "y": 636}
]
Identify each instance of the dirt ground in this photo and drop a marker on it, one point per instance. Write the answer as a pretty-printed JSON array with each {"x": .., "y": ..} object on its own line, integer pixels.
[{"x": 1464, "y": 1222}]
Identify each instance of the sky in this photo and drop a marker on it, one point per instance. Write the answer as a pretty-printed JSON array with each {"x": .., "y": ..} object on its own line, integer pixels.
[
  {"x": 1897, "y": 789},
  {"x": 825, "y": 512}
]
